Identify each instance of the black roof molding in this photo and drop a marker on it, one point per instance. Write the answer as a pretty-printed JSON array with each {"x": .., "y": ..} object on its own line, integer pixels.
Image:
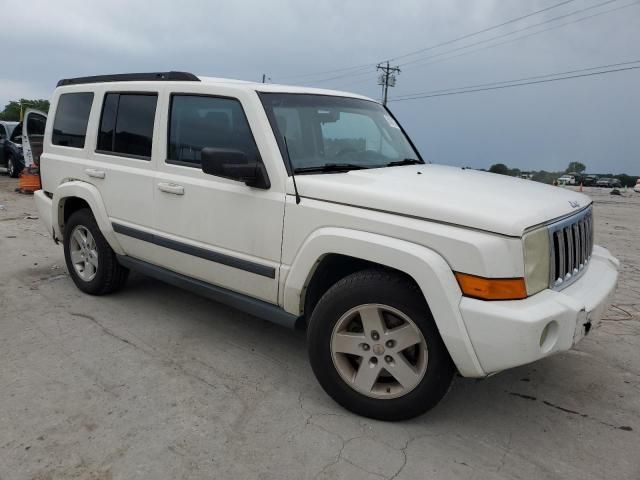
[{"x": 132, "y": 77}]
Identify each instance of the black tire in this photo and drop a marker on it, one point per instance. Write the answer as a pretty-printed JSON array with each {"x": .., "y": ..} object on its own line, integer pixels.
[
  {"x": 13, "y": 169},
  {"x": 110, "y": 275},
  {"x": 387, "y": 288}
]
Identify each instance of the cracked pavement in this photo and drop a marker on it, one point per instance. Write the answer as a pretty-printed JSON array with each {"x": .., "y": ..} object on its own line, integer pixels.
[{"x": 155, "y": 382}]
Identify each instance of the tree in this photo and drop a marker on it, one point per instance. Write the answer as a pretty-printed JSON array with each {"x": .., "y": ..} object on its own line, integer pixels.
[
  {"x": 627, "y": 180},
  {"x": 11, "y": 112},
  {"x": 576, "y": 167},
  {"x": 500, "y": 168}
]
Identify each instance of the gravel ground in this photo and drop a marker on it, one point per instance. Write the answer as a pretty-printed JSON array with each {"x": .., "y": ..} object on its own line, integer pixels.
[{"x": 157, "y": 383}]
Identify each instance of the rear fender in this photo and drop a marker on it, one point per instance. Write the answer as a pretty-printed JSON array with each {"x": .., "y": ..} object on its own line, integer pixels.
[{"x": 91, "y": 195}]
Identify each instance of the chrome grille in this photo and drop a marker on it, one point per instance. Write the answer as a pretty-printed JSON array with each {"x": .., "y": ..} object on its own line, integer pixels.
[{"x": 571, "y": 243}]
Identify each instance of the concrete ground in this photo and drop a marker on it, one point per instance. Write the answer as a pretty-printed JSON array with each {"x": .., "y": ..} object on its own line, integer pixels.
[{"x": 157, "y": 383}]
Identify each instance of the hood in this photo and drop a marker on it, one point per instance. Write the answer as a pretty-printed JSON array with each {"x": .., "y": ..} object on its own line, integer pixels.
[{"x": 465, "y": 197}]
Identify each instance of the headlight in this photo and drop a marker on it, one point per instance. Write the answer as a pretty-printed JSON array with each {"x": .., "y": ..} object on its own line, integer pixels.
[{"x": 536, "y": 260}]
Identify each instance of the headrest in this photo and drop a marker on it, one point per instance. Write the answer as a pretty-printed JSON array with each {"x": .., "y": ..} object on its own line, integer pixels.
[
  {"x": 281, "y": 120},
  {"x": 218, "y": 121}
]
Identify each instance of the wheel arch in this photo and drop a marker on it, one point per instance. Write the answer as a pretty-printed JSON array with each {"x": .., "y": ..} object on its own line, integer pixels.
[
  {"x": 331, "y": 268},
  {"x": 327, "y": 247},
  {"x": 74, "y": 195}
]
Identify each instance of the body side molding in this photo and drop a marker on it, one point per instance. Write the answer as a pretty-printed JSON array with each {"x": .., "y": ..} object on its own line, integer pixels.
[{"x": 234, "y": 262}]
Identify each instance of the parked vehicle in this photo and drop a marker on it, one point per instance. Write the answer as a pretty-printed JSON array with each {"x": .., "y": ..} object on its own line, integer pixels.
[
  {"x": 609, "y": 183},
  {"x": 636, "y": 188},
  {"x": 13, "y": 151},
  {"x": 567, "y": 180},
  {"x": 9, "y": 161},
  {"x": 589, "y": 180},
  {"x": 313, "y": 207}
]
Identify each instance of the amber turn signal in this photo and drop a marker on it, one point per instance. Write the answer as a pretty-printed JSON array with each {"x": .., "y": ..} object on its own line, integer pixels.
[{"x": 492, "y": 288}]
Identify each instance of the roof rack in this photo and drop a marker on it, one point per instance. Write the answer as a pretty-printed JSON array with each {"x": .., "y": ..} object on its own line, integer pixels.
[{"x": 132, "y": 77}]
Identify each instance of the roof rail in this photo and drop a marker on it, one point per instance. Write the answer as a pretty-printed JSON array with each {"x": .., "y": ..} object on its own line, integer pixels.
[{"x": 132, "y": 77}]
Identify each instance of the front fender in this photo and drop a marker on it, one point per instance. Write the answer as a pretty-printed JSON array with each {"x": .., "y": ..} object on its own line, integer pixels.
[
  {"x": 430, "y": 271},
  {"x": 91, "y": 195}
]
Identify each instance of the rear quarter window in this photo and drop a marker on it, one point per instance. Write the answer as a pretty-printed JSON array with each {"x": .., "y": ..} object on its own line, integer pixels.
[{"x": 72, "y": 117}]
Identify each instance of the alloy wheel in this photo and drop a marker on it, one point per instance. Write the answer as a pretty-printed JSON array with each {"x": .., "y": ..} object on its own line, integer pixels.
[
  {"x": 379, "y": 351},
  {"x": 84, "y": 253}
]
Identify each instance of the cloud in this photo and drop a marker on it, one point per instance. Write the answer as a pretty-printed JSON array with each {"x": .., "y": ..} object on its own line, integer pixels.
[
  {"x": 15, "y": 90},
  {"x": 591, "y": 120}
]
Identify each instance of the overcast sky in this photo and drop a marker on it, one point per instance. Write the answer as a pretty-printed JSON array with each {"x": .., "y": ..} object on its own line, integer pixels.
[{"x": 595, "y": 120}]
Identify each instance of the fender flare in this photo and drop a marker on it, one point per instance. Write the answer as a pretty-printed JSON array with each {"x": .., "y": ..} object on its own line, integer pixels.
[
  {"x": 91, "y": 195},
  {"x": 430, "y": 271}
]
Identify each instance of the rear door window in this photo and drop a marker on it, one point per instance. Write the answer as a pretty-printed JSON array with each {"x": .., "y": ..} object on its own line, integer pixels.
[
  {"x": 126, "y": 125},
  {"x": 72, "y": 117}
]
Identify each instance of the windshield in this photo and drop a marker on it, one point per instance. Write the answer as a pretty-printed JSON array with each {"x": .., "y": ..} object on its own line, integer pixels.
[
  {"x": 10, "y": 126},
  {"x": 331, "y": 134}
]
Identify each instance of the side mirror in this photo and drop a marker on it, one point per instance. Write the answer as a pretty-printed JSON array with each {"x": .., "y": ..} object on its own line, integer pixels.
[{"x": 234, "y": 164}]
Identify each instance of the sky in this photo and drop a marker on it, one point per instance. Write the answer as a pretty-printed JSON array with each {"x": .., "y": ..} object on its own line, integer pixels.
[{"x": 594, "y": 120}]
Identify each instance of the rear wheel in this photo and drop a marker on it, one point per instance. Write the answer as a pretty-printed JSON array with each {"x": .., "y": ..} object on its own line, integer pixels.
[
  {"x": 91, "y": 262},
  {"x": 375, "y": 349},
  {"x": 12, "y": 168}
]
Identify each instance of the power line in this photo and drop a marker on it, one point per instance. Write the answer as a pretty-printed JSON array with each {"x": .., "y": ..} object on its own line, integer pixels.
[
  {"x": 349, "y": 71},
  {"x": 415, "y": 63},
  {"x": 473, "y": 90},
  {"x": 528, "y": 27},
  {"x": 357, "y": 73},
  {"x": 535, "y": 77},
  {"x": 522, "y": 36},
  {"x": 357, "y": 67},
  {"x": 473, "y": 34},
  {"x": 507, "y": 41},
  {"x": 363, "y": 70}
]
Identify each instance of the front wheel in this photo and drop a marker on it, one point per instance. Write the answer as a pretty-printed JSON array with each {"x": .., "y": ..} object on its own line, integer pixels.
[{"x": 375, "y": 349}]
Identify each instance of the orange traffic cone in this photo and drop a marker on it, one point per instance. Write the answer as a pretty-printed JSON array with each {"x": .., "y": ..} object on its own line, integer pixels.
[
  {"x": 29, "y": 182},
  {"x": 580, "y": 187}
]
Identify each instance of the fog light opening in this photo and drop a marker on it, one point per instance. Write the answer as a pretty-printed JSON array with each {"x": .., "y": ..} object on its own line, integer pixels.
[{"x": 549, "y": 336}]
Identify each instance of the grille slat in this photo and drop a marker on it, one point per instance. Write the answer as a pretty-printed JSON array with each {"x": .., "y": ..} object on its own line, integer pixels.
[{"x": 571, "y": 243}]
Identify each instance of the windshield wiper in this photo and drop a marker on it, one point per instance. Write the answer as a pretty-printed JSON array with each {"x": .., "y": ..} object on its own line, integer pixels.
[
  {"x": 330, "y": 167},
  {"x": 406, "y": 161}
]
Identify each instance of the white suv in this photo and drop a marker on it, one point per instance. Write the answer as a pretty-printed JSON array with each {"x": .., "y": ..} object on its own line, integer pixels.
[{"x": 312, "y": 207}]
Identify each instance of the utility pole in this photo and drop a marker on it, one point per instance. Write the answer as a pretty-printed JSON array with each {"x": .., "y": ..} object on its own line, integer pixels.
[{"x": 387, "y": 78}]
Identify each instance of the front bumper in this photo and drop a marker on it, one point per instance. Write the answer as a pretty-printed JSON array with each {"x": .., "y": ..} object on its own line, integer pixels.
[{"x": 511, "y": 333}]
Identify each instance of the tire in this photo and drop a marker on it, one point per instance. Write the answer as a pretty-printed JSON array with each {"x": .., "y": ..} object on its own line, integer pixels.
[
  {"x": 348, "y": 302},
  {"x": 13, "y": 169},
  {"x": 101, "y": 273}
]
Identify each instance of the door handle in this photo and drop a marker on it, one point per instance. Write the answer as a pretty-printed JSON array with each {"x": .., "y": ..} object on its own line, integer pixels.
[
  {"x": 92, "y": 172},
  {"x": 173, "y": 188}
]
